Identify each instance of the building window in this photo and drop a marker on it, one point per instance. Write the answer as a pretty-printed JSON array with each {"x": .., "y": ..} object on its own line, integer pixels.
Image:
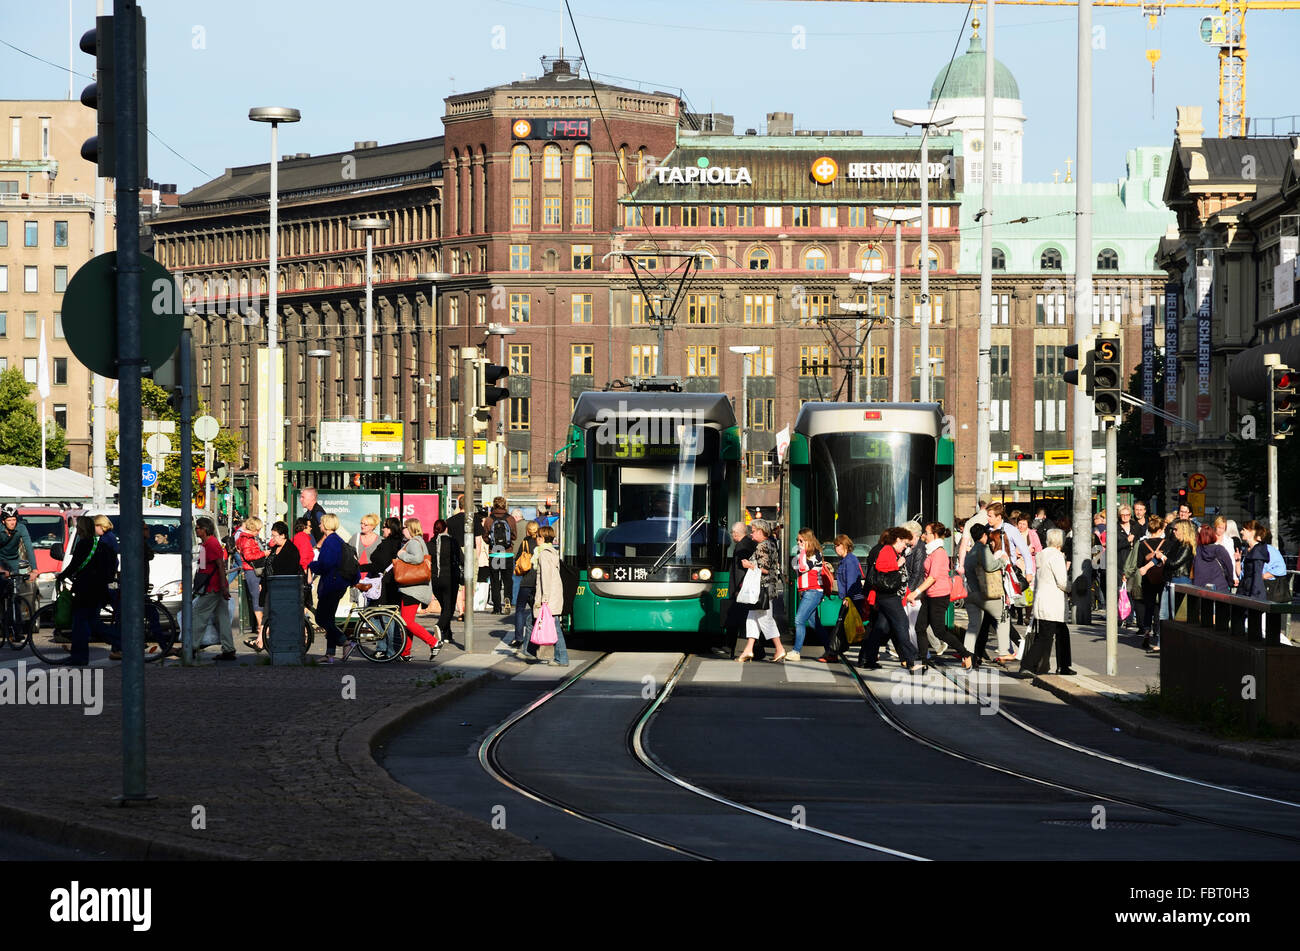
[
  {"x": 1000, "y": 416},
  {"x": 659, "y": 216},
  {"x": 744, "y": 216},
  {"x": 701, "y": 361},
  {"x": 772, "y": 216},
  {"x": 941, "y": 217},
  {"x": 761, "y": 413},
  {"x": 645, "y": 360},
  {"x": 4, "y": 232},
  {"x": 879, "y": 360},
  {"x": 206, "y": 373},
  {"x": 31, "y": 279},
  {"x": 871, "y": 259},
  {"x": 936, "y": 361},
  {"x": 61, "y": 415},
  {"x": 520, "y": 257},
  {"x": 582, "y": 210},
  {"x": 519, "y": 465},
  {"x": 60, "y": 371},
  {"x": 29, "y": 369},
  {"x": 581, "y": 257},
  {"x": 519, "y": 210},
  {"x": 1049, "y": 416},
  {"x": 4, "y": 279},
  {"x": 759, "y": 468},
  {"x": 453, "y": 311},
  {"x": 1050, "y": 310},
  {"x": 1049, "y": 361},
  {"x": 647, "y": 262},
  {"x": 813, "y": 306},
  {"x": 480, "y": 309},
  {"x": 1050, "y": 261},
  {"x": 520, "y": 164},
  {"x": 759, "y": 259},
  {"x": 761, "y": 363},
  {"x": 936, "y": 309},
  {"x": 519, "y": 307},
  {"x": 551, "y": 163},
  {"x": 521, "y": 359},
  {"x": 830, "y": 216},
  {"x": 1107, "y": 260},
  {"x": 60, "y": 234},
  {"x": 582, "y": 308},
  {"x": 932, "y": 259},
  {"x": 857, "y": 216},
  {"x": 60, "y": 278},
  {"x": 814, "y": 259},
  {"x": 690, "y": 216},
  {"x": 760, "y": 308},
  {"x": 632, "y": 216},
  {"x": 582, "y": 359},
  {"x": 1000, "y": 360},
  {"x": 639, "y": 310},
  {"x": 999, "y": 259},
  {"x": 799, "y": 216},
  {"x": 706, "y": 261},
  {"x": 582, "y": 162},
  {"x": 520, "y": 413},
  {"x": 30, "y": 330},
  {"x": 31, "y": 234},
  {"x": 551, "y": 211},
  {"x": 701, "y": 308},
  {"x": 58, "y": 325},
  {"x": 815, "y": 361},
  {"x": 717, "y": 216},
  {"x": 1002, "y": 309},
  {"x": 243, "y": 369}
]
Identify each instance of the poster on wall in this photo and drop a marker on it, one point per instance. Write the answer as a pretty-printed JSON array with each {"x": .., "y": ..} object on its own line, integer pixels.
[
  {"x": 1148, "y": 366},
  {"x": 426, "y": 506},
  {"x": 349, "y": 507},
  {"x": 1173, "y": 296},
  {"x": 1204, "y": 307}
]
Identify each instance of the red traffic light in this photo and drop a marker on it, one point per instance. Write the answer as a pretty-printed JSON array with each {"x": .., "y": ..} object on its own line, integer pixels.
[{"x": 1284, "y": 381}]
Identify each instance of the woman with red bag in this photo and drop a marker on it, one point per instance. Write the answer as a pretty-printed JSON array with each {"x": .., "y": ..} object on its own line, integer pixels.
[
  {"x": 934, "y": 591},
  {"x": 810, "y": 571},
  {"x": 413, "y": 595}
]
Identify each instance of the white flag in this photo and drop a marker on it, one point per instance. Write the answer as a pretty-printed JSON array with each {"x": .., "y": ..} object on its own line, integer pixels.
[{"x": 43, "y": 368}]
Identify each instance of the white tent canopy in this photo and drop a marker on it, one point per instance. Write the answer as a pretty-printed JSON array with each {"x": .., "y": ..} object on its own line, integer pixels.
[{"x": 62, "y": 485}]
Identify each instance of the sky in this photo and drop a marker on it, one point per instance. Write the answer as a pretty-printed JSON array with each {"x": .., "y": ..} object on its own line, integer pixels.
[{"x": 380, "y": 69}]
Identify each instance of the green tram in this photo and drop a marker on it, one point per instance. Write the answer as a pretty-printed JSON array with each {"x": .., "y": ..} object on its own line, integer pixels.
[
  {"x": 859, "y": 468},
  {"x": 649, "y": 488}
]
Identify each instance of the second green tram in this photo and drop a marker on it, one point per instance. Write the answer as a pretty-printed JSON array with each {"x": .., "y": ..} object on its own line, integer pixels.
[
  {"x": 649, "y": 489},
  {"x": 858, "y": 468}
]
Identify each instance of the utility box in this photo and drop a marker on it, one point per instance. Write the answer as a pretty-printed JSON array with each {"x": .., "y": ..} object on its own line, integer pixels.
[{"x": 288, "y": 643}]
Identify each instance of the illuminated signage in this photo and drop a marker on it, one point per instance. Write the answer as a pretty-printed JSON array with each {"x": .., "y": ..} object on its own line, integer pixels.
[
  {"x": 866, "y": 171},
  {"x": 709, "y": 175},
  {"x": 551, "y": 128}
]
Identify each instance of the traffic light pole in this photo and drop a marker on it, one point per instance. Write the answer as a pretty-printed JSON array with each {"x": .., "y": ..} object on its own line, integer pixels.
[
  {"x": 1111, "y": 552},
  {"x": 187, "y": 497},
  {"x": 467, "y": 367},
  {"x": 1272, "y": 487}
]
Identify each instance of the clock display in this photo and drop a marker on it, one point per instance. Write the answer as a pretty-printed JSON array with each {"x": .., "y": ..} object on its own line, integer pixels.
[{"x": 552, "y": 128}]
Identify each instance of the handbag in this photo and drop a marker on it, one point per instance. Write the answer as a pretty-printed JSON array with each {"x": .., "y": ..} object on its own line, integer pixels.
[
  {"x": 827, "y": 579},
  {"x": 1125, "y": 603},
  {"x": 407, "y": 574},
  {"x": 543, "y": 627},
  {"x": 853, "y": 627},
  {"x": 959, "y": 591},
  {"x": 524, "y": 563},
  {"x": 63, "y": 611},
  {"x": 1155, "y": 575},
  {"x": 1278, "y": 590}
]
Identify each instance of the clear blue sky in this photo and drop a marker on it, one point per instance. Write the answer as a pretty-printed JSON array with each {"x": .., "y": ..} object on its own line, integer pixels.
[{"x": 379, "y": 69}]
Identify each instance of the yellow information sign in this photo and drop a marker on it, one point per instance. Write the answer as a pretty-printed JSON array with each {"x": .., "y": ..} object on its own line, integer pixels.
[
  {"x": 1005, "y": 471},
  {"x": 480, "y": 451},
  {"x": 1059, "y": 457},
  {"x": 381, "y": 439}
]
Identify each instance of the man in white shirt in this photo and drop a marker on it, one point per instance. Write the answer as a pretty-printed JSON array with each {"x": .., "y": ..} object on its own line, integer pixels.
[{"x": 1224, "y": 540}]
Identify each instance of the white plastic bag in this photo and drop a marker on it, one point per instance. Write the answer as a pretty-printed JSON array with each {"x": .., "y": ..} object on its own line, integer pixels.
[
  {"x": 481, "y": 596},
  {"x": 749, "y": 588}
]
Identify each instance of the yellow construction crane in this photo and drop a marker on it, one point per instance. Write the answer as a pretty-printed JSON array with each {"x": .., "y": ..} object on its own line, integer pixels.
[{"x": 1226, "y": 31}]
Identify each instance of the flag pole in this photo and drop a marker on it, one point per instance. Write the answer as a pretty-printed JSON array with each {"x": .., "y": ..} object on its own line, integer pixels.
[{"x": 43, "y": 388}]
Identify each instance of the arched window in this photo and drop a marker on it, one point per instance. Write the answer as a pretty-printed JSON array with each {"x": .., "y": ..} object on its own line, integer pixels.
[
  {"x": 551, "y": 163},
  {"x": 301, "y": 283},
  {"x": 871, "y": 259},
  {"x": 759, "y": 259},
  {"x": 625, "y": 173},
  {"x": 640, "y": 165},
  {"x": 1050, "y": 261},
  {"x": 999, "y": 259},
  {"x": 520, "y": 163},
  {"x": 261, "y": 284},
  {"x": 932, "y": 259},
  {"x": 814, "y": 259},
  {"x": 320, "y": 277},
  {"x": 706, "y": 261},
  {"x": 582, "y": 162},
  {"x": 1107, "y": 260}
]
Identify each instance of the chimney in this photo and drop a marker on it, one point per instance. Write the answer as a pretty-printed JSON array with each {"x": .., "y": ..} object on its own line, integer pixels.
[
  {"x": 1189, "y": 127},
  {"x": 780, "y": 123},
  {"x": 368, "y": 144}
]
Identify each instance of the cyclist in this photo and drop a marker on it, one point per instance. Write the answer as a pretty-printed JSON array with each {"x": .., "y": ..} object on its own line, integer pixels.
[{"x": 16, "y": 553}]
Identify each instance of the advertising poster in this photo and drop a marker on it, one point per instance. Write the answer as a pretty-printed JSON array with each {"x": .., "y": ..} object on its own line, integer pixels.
[
  {"x": 349, "y": 507},
  {"x": 1148, "y": 366},
  {"x": 1173, "y": 294},
  {"x": 1204, "y": 307},
  {"x": 426, "y": 506}
]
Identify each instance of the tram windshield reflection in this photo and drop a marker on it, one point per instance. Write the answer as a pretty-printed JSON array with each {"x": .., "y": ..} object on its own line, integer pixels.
[{"x": 863, "y": 483}]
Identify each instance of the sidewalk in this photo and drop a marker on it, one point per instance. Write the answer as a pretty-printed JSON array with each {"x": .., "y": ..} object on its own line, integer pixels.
[{"x": 250, "y": 761}]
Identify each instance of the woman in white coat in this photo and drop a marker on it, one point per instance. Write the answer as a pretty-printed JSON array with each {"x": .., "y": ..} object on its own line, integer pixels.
[{"x": 1051, "y": 582}]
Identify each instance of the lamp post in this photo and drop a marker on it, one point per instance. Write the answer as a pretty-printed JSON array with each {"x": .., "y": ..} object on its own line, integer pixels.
[
  {"x": 434, "y": 278},
  {"x": 369, "y": 226},
  {"x": 320, "y": 356},
  {"x": 272, "y": 411},
  {"x": 863, "y": 277},
  {"x": 898, "y": 216},
  {"x": 501, "y": 331},
  {"x": 927, "y": 119},
  {"x": 744, "y": 413}
]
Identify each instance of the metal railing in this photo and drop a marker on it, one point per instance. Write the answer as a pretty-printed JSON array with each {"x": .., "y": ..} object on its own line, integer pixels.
[
  {"x": 33, "y": 198},
  {"x": 1268, "y": 127},
  {"x": 1231, "y": 614}
]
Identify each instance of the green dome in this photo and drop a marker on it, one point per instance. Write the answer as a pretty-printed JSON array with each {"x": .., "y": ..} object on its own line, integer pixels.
[{"x": 966, "y": 77}]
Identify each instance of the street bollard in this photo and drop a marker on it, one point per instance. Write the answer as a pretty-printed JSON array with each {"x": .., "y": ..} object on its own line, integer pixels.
[{"x": 284, "y": 620}]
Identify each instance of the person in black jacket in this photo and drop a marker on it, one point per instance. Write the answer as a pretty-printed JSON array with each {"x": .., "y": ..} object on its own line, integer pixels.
[
  {"x": 736, "y": 612},
  {"x": 382, "y": 556},
  {"x": 91, "y": 568},
  {"x": 283, "y": 559},
  {"x": 312, "y": 510},
  {"x": 446, "y": 573}
]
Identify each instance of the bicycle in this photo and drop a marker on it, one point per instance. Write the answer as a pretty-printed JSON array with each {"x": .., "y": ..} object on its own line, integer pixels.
[
  {"x": 52, "y": 642},
  {"x": 16, "y": 619},
  {"x": 379, "y": 632}
]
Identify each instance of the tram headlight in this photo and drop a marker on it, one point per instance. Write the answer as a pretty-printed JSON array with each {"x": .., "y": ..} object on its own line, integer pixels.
[
  {"x": 597, "y": 574},
  {"x": 705, "y": 574}
]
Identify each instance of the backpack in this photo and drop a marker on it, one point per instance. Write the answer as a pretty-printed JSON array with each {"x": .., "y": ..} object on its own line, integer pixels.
[
  {"x": 499, "y": 535},
  {"x": 349, "y": 566}
]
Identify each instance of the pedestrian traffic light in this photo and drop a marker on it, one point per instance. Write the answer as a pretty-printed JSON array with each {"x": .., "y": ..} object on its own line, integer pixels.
[
  {"x": 1024, "y": 457},
  {"x": 1107, "y": 372},
  {"x": 101, "y": 149},
  {"x": 1182, "y": 496},
  {"x": 1281, "y": 402},
  {"x": 1083, "y": 354},
  {"x": 487, "y": 393}
]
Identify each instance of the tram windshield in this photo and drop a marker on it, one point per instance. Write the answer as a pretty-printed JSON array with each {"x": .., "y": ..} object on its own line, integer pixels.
[
  {"x": 864, "y": 483},
  {"x": 653, "y": 502}
]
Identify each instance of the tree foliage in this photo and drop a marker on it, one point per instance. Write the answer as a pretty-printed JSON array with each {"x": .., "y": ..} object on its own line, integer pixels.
[
  {"x": 20, "y": 430},
  {"x": 154, "y": 405}
]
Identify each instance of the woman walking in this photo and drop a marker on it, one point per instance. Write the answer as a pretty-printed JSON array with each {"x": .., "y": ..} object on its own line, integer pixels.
[
  {"x": 525, "y": 553},
  {"x": 446, "y": 575},
  {"x": 1152, "y": 555},
  {"x": 91, "y": 568},
  {"x": 807, "y": 564},
  {"x": 890, "y": 620},
  {"x": 550, "y": 589},
  {"x": 330, "y": 587},
  {"x": 985, "y": 585},
  {"x": 760, "y": 619},
  {"x": 1051, "y": 583},
  {"x": 411, "y": 596},
  {"x": 934, "y": 592},
  {"x": 367, "y": 539},
  {"x": 250, "y": 557},
  {"x": 281, "y": 559}
]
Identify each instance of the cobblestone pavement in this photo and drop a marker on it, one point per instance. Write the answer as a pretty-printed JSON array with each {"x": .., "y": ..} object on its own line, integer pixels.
[{"x": 276, "y": 762}]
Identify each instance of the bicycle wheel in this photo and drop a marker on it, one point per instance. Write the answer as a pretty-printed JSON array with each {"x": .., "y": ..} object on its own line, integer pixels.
[
  {"x": 49, "y": 642},
  {"x": 160, "y": 640},
  {"x": 380, "y": 637},
  {"x": 17, "y": 623}
]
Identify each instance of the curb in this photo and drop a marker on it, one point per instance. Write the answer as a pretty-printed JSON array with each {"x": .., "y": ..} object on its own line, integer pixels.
[
  {"x": 1112, "y": 712},
  {"x": 88, "y": 836}
]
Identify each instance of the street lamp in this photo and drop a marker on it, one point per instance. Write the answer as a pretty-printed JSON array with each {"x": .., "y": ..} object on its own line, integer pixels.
[
  {"x": 320, "y": 356},
  {"x": 744, "y": 412},
  {"x": 369, "y": 226},
  {"x": 501, "y": 331},
  {"x": 927, "y": 119},
  {"x": 434, "y": 278},
  {"x": 273, "y": 410},
  {"x": 863, "y": 277},
  {"x": 898, "y": 216}
]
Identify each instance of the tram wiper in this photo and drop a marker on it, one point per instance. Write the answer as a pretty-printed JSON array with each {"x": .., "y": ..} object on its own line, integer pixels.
[{"x": 672, "y": 549}]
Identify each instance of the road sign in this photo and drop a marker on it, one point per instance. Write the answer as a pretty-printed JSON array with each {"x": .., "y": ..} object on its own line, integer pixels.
[
  {"x": 158, "y": 445},
  {"x": 148, "y": 476},
  {"x": 90, "y": 314},
  {"x": 1197, "y": 482},
  {"x": 1058, "y": 462},
  {"x": 1005, "y": 471},
  {"x": 381, "y": 439},
  {"x": 206, "y": 428}
]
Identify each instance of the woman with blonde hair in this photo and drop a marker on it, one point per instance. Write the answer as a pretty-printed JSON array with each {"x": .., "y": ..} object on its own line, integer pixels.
[
  {"x": 807, "y": 564},
  {"x": 250, "y": 556},
  {"x": 412, "y": 595},
  {"x": 527, "y": 586},
  {"x": 330, "y": 586}
]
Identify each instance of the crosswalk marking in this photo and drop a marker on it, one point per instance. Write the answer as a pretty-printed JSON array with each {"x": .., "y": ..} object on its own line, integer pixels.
[
  {"x": 718, "y": 672},
  {"x": 799, "y": 673}
]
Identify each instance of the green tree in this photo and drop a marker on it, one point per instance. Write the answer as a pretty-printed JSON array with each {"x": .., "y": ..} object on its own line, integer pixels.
[
  {"x": 1139, "y": 456},
  {"x": 20, "y": 430},
  {"x": 154, "y": 406}
]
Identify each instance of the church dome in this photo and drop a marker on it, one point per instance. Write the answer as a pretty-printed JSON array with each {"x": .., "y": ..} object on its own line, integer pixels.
[{"x": 965, "y": 77}]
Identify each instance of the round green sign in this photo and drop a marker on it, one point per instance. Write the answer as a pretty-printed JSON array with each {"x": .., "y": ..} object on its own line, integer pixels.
[{"x": 90, "y": 314}]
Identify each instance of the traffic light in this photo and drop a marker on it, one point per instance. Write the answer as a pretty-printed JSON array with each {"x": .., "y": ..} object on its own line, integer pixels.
[
  {"x": 1107, "y": 373},
  {"x": 100, "y": 96},
  {"x": 1182, "y": 496},
  {"x": 487, "y": 393},
  {"x": 1024, "y": 457},
  {"x": 1281, "y": 402},
  {"x": 1081, "y": 375}
]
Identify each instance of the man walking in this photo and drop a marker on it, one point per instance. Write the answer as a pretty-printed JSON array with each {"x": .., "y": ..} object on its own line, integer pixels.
[
  {"x": 313, "y": 510},
  {"x": 210, "y": 588}
]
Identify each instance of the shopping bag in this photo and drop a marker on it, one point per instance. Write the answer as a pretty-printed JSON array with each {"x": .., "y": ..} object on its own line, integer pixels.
[
  {"x": 750, "y": 588},
  {"x": 852, "y": 624},
  {"x": 958, "y": 589},
  {"x": 481, "y": 596},
  {"x": 63, "y": 611},
  {"x": 544, "y": 627},
  {"x": 1125, "y": 603}
]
